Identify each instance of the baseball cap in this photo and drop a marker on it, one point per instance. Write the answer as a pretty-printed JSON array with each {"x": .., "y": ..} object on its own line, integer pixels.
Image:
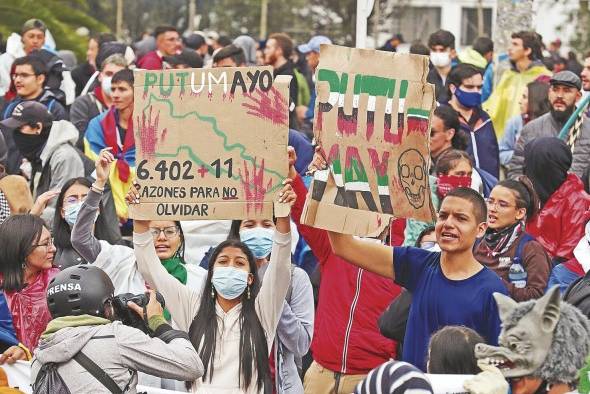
[
  {"x": 566, "y": 78},
  {"x": 27, "y": 112},
  {"x": 187, "y": 57},
  {"x": 32, "y": 24},
  {"x": 314, "y": 44},
  {"x": 194, "y": 41}
]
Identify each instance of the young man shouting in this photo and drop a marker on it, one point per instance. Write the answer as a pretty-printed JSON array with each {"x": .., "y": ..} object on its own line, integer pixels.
[{"x": 448, "y": 288}]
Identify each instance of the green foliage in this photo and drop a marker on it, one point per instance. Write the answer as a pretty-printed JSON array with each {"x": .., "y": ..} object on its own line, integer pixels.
[{"x": 62, "y": 17}]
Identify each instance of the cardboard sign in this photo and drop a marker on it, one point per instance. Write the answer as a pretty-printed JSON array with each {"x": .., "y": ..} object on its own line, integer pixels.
[
  {"x": 210, "y": 143},
  {"x": 372, "y": 121}
]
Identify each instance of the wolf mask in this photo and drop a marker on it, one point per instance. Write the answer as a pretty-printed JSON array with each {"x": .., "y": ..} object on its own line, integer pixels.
[{"x": 545, "y": 338}]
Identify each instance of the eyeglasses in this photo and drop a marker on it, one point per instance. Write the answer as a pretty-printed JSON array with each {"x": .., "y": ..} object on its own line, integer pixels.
[
  {"x": 47, "y": 244},
  {"x": 22, "y": 75},
  {"x": 498, "y": 204},
  {"x": 169, "y": 232}
]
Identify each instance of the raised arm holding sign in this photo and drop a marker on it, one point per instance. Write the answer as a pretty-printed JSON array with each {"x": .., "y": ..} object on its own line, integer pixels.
[
  {"x": 210, "y": 143},
  {"x": 377, "y": 168}
]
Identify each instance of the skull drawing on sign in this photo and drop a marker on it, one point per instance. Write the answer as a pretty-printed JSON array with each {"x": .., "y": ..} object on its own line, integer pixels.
[{"x": 412, "y": 172}]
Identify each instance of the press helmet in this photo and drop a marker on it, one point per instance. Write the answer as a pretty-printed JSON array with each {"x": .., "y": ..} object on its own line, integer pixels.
[{"x": 79, "y": 290}]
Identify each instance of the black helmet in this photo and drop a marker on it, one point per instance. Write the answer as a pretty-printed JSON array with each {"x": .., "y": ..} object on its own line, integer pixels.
[{"x": 79, "y": 290}]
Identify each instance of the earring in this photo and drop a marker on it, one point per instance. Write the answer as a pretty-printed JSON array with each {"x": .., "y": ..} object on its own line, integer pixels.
[
  {"x": 248, "y": 292},
  {"x": 212, "y": 293}
]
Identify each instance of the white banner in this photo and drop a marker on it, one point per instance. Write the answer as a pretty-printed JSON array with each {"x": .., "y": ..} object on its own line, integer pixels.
[{"x": 19, "y": 376}]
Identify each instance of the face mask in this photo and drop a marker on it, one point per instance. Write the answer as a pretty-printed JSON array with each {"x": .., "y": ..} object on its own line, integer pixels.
[
  {"x": 446, "y": 183},
  {"x": 468, "y": 99},
  {"x": 30, "y": 145},
  {"x": 229, "y": 282},
  {"x": 106, "y": 85},
  {"x": 440, "y": 59},
  {"x": 71, "y": 213},
  {"x": 258, "y": 240}
]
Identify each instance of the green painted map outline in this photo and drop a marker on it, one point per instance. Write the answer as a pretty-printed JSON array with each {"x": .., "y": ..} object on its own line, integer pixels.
[{"x": 194, "y": 158}]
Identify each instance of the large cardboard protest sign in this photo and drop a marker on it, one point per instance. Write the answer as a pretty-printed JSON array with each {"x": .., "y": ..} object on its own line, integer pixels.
[
  {"x": 210, "y": 143},
  {"x": 372, "y": 122}
]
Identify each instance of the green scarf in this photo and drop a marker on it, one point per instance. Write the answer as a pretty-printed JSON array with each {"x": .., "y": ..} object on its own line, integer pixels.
[
  {"x": 176, "y": 268},
  {"x": 72, "y": 321}
]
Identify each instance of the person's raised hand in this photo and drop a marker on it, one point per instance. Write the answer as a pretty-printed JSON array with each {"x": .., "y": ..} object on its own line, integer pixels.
[
  {"x": 132, "y": 196},
  {"x": 12, "y": 354},
  {"x": 153, "y": 307},
  {"x": 318, "y": 162},
  {"x": 103, "y": 166},
  {"x": 42, "y": 201},
  {"x": 287, "y": 194},
  {"x": 489, "y": 381}
]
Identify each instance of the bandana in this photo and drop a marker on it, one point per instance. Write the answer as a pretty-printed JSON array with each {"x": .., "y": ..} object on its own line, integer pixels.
[
  {"x": 497, "y": 242},
  {"x": 446, "y": 183},
  {"x": 176, "y": 268}
]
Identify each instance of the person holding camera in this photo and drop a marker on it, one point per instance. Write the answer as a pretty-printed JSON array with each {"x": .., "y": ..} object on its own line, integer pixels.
[
  {"x": 233, "y": 320},
  {"x": 86, "y": 350}
]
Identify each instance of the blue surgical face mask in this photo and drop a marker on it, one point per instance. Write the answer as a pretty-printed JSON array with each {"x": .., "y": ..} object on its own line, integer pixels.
[
  {"x": 71, "y": 213},
  {"x": 106, "y": 85},
  {"x": 468, "y": 99},
  {"x": 258, "y": 240},
  {"x": 229, "y": 282}
]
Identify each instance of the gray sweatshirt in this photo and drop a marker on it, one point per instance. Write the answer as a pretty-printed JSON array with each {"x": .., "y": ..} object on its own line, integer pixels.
[
  {"x": 118, "y": 350},
  {"x": 547, "y": 126}
]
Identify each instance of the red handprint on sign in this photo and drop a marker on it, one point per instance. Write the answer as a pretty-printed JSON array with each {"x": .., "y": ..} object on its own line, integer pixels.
[{"x": 270, "y": 105}]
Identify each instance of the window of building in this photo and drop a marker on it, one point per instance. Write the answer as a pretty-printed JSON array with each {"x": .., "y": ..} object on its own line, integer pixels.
[
  {"x": 469, "y": 24},
  {"x": 415, "y": 23}
]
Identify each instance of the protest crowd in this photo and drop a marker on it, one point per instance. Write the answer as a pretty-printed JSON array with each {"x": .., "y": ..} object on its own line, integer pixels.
[{"x": 494, "y": 287}]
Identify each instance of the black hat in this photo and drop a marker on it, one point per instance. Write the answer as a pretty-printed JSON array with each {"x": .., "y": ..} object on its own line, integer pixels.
[
  {"x": 187, "y": 57},
  {"x": 25, "y": 113},
  {"x": 566, "y": 78},
  {"x": 194, "y": 41},
  {"x": 79, "y": 290}
]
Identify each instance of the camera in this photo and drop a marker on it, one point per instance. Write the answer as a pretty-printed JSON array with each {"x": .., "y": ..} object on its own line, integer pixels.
[{"x": 128, "y": 316}]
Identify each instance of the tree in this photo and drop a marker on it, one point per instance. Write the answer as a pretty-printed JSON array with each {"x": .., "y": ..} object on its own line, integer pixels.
[{"x": 62, "y": 17}]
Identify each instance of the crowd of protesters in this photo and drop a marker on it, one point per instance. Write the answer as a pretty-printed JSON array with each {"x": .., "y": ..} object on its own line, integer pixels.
[{"x": 275, "y": 306}]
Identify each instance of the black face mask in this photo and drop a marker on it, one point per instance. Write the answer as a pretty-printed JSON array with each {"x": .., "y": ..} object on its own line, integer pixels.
[{"x": 30, "y": 145}]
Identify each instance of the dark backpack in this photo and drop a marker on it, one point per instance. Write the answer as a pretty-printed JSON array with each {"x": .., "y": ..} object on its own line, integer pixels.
[
  {"x": 578, "y": 294},
  {"x": 49, "y": 381}
]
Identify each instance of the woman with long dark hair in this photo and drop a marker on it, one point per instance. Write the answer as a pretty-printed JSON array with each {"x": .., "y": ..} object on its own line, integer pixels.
[
  {"x": 507, "y": 248},
  {"x": 26, "y": 266},
  {"x": 68, "y": 204},
  {"x": 295, "y": 328},
  {"x": 232, "y": 322},
  {"x": 533, "y": 103}
]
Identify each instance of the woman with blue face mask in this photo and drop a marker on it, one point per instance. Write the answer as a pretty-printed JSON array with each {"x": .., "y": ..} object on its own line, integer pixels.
[
  {"x": 295, "y": 328},
  {"x": 464, "y": 85},
  {"x": 232, "y": 320}
]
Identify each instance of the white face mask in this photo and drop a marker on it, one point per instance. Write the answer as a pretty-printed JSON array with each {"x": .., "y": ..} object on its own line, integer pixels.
[
  {"x": 106, "y": 85},
  {"x": 440, "y": 59}
]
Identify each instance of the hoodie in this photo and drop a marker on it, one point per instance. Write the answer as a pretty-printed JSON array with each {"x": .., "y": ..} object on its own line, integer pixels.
[
  {"x": 119, "y": 350},
  {"x": 60, "y": 162},
  {"x": 248, "y": 45},
  {"x": 14, "y": 49},
  {"x": 53, "y": 105}
]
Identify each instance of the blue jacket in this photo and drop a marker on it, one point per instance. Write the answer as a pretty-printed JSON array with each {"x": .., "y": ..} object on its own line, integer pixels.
[
  {"x": 508, "y": 141},
  {"x": 483, "y": 143},
  {"x": 303, "y": 148},
  {"x": 7, "y": 334}
]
